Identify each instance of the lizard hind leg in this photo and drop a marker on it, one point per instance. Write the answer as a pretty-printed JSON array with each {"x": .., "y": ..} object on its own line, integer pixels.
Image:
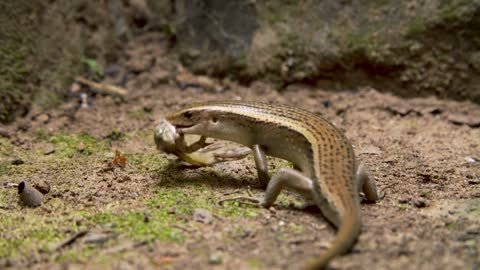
[
  {"x": 287, "y": 178},
  {"x": 283, "y": 178}
]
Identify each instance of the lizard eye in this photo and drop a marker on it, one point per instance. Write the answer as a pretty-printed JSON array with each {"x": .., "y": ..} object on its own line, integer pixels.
[{"x": 187, "y": 115}]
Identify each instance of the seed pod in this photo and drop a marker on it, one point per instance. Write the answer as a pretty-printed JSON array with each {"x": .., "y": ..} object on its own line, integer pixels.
[{"x": 29, "y": 195}]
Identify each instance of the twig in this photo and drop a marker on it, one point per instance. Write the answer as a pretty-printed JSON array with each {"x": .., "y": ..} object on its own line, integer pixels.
[
  {"x": 71, "y": 240},
  {"x": 231, "y": 192},
  {"x": 103, "y": 88},
  {"x": 249, "y": 200}
]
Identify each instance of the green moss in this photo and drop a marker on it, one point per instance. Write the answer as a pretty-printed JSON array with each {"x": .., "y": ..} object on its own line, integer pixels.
[
  {"x": 145, "y": 162},
  {"x": 66, "y": 144},
  {"x": 3, "y": 168},
  {"x": 362, "y": 42},
  {"x": 403, "y": 206},
  {"x": 453, "y": 226},
  {"x": 30, "y": 229},
  {"x": 254, "y": 263},
  {"x": 81, "y": 255},
  {"x": 294, "y": 228},
  {"x": 140, "y": 114},
  {"x": 134, "y": 224},
  {"x": 416, "y": 27},
  {"x": 41, "y": 134}
]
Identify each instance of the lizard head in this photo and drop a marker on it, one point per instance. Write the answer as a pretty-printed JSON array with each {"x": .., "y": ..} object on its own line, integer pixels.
[{"x": 196, "y": 120}]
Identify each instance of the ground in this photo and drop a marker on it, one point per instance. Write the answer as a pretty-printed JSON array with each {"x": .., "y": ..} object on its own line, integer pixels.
[{"x": 159, "y": 213}]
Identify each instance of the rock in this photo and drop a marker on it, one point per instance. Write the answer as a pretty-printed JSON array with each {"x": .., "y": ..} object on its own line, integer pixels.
[
  {"x": 371, "y": 149},
  {"x": 18, "y": 161},
  {"x": 42, "y": 186},
  {"x": 5, "y": 133},
  {"x": 249, "y": 39},
  {"x": 473, "y": 181},
  {"x": 49, "y": 149},
  {"x": 29, "y": 195},
  {"x": 159, "y": 75},
  {"x": 43, "y": 118},
  {"x": 96, "y": 238},
  {"x": 472, "y": 159},
  {"x": 215, "y": 258},
  {"x": 202, "y": 215},
  {"x": 139, "y": 64},
  {"x": 404, "y": 199},
  {"x": 465, "y": 119},
  {"x": 81, "y": 147},
  {"x": 75, "y": 88},
  {"x": 146, "y": 217},
  {"x": 419, "y": 203}
]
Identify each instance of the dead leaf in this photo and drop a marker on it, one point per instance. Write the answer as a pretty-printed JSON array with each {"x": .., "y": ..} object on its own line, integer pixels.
[{"x": 119, "y": 160}]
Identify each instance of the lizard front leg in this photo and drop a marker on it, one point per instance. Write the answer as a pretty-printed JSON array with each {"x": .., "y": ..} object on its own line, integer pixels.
[{"x": 261, "y": 164}]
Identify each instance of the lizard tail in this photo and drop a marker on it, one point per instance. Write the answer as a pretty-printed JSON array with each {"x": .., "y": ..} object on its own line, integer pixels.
[{"x": 346, "y": 236}]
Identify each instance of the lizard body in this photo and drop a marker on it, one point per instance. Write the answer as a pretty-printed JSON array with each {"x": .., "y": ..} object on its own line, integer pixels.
[{"x": 326, "y": 171}]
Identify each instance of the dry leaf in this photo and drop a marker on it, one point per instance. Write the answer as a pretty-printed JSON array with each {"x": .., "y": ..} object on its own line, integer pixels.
[{"x": 119, "y": 160}]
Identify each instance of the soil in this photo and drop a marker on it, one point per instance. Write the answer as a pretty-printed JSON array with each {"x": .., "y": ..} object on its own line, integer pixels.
[{"x": 159, "y": 213}]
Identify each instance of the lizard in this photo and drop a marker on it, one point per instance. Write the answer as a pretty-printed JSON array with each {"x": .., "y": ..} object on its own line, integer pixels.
[{"x": 325, "y": 170}]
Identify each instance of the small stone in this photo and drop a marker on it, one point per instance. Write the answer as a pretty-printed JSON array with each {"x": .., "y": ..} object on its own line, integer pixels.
[
  {"x": 171, "y": 211},
  {"x": 146, "y": 217},
  {"x": 96, "y": 238},
  {"x": 403, "y": 199},
  {"x": 124, "y": 178},
  {"x": 327, "y": 103},
  {"x": 110, "y": 225},
  {"x": 215, "y": 259},
  {"x": 75, "y": 88},
  {"x": 42, "y": 186},
  {"x": 112, "y": 70},
  {"x": 419, "y": 203},
  {"x": 5, "y": 133},
  {"x": 472, "y": 159},
  {"x": 24, "y": 126},
  {"x": 81, "y": 147},
  {"x": 18, "y": 161},
  {"x": 473, "y": 181},
  {"x": 78, "y": 222},
  {"x": 371, "y": 149},
  {"x": 43, "y": 118},
  {"x": 49, "y": 149},
  {"x": 202, "y": 215}
]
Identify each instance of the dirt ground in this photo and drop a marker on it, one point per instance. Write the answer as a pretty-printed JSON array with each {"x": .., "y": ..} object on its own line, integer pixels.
[{"x": 158, "y": 213}]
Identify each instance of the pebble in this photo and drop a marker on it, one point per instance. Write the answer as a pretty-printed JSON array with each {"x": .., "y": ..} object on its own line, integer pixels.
[
  {"x": 473, "y": 181},
  {"x": 202, "y": 215},
  {"x": 215, "y": 259},
  {"x": 18, "y": 161},
  {"x": 42, "y": 186},
  {"x": 43, "y": 118},
  {"x": 419, "y": 203},
  {"x": 96, "y": 238},
  {"x": 49, "y": 149},
  {"x": 403, "y": 199},
  {"x": 81, "y": 147}
]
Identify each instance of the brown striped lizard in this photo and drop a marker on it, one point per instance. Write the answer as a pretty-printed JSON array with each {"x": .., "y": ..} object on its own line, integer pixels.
[{"x": 324, "y": 171}]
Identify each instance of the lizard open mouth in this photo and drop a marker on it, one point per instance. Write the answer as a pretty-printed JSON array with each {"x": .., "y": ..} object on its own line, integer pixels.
[{"x": 184, "y": 126}]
